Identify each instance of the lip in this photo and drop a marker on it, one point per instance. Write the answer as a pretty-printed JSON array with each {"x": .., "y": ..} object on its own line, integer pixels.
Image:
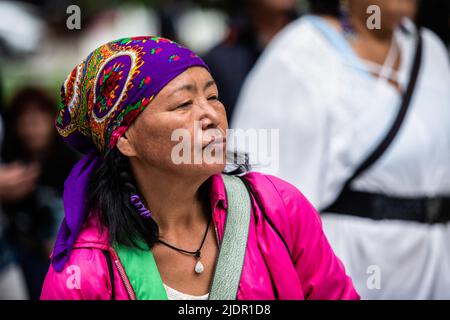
[{"x": 219, "y": 140}]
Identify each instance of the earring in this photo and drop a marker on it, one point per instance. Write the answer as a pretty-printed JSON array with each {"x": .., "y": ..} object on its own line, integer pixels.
[{"x": 143, "y": 211}]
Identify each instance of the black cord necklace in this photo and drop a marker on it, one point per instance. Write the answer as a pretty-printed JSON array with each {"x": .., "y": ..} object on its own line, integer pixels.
[{"x": 198, "y": 266}]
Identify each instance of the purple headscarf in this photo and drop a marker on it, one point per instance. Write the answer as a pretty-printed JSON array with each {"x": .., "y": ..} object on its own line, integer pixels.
[{"x": 100, "y": 99}]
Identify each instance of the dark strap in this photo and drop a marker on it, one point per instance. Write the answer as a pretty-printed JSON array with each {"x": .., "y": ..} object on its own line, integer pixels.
[
  {"x": 392, "y": 133},
  {"x": 111, "y": 272},
  {"x": 378, "y": 207}
]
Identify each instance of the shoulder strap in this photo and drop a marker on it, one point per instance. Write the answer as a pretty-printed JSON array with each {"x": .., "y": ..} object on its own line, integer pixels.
[
  {"x": 227, "y": 273},
  {"x": 392, "y": 133}
]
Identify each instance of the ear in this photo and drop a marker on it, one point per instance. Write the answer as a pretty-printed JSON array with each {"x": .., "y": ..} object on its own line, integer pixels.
[{"x": 125, "y": 147}]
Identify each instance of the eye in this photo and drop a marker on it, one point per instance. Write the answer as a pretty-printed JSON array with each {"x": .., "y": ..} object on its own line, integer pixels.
[
  {"x": 184, "y": 105},
  {"x": 213, "y": 98}
]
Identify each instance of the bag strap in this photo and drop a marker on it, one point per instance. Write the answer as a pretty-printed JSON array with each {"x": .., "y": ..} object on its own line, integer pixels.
[
  {"x": 227, "y": 273},
  {"x": 395, "y": 128}
]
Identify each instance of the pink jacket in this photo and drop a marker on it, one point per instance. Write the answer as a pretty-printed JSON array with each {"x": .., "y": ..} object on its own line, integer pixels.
[{"x": 309, "y": 271}]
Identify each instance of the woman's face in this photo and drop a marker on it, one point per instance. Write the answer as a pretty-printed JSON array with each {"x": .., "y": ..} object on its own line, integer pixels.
[{"x": 183, "y": 130}]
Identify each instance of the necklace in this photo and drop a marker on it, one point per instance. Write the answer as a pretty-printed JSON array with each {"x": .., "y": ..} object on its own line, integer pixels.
[{"x": 199, "y": 268}]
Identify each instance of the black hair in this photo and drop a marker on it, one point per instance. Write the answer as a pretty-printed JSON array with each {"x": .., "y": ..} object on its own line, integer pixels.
[
  {"x": 325, "y": 7},
  {"x": 110, "y": 189},
  {"x": 31, "y": 97}
]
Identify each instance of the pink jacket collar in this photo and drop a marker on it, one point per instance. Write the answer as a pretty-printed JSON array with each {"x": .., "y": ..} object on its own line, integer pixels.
[{"x": 93, "y": 235}]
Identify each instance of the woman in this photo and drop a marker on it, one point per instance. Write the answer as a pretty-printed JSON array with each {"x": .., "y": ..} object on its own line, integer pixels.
[
  {"x": 34, "y": 217},
  {"x": 340, "y": 88},
  {"x": 121, "y": 106}
]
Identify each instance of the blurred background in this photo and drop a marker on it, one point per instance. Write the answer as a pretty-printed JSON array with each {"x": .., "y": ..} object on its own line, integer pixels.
[{"x": 37, "y": 52}]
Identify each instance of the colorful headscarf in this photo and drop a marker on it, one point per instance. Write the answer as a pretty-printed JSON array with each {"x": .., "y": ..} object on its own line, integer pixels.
[{"x": 99, "y": 101}]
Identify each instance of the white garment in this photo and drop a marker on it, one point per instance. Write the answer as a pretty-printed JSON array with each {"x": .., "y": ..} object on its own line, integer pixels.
[
  {"x": 173, "y": 294},
  {"x": 12, "y": 283},
  {"x": 331, "y": 114}
]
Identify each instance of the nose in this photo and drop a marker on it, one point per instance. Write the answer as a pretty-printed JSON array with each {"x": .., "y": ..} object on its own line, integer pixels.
[
  {"x": 207, "y": 123},
  {"x": 209, "y": 117}
]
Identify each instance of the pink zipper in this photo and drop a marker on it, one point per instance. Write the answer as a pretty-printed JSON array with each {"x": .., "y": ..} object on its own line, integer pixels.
[
  {"x": 215, "y": 228},
  {"x": 123, "y": 276}
]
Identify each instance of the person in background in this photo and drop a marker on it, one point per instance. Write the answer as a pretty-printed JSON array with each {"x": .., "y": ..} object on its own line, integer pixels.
[
  {"x": 16, "y": 181},
  {"x": 34, "y": 217},
  {"x": 249, "y": 33},
  {"x": 333, "y": 87}
]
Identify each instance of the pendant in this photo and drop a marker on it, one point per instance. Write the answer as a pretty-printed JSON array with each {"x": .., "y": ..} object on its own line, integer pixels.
[{"x": 199, "y": 267}]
